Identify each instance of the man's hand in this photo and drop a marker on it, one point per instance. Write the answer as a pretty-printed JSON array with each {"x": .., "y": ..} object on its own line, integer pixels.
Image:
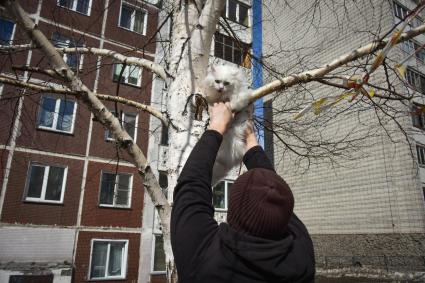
[
  {"x": 251, "y": 140},
  {"x": 220, "y": 117}
]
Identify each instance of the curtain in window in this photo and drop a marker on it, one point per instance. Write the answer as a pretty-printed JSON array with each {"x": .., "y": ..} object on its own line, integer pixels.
[
  {"x": 117, "y": 72},
  {"x": 125, "y": 20},
  {"x": 83, "y": 6},
  {"x": 98, "y": 264},
  {"x": 232, "y": 10},
  {"x": 115, "y": 259},
  {"x": 66, "y": 113},
  {"x": 133, "y": 75},
  {"x": 243, "y": 15},
  {"x": 159, "y": 256},
  {"x": 36, "y": 181},
  {"x": 139, "y": 21},
  {"x": 54, "y": 183},
  {"x": 123, "y": 190},
  {"x": 6, "y": 30},
  {"x": 218, "y": 196},
  {"x": 66, "y": 3},
  {"x": 107, "y": 189},
  {"x": 47, "y": 112},
  {"x": 129, "y": 124}
]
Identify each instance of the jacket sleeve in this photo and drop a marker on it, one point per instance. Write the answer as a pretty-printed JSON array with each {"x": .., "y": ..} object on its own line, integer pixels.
[
  {"x": 192, "y": 216},
  {"x": 255, "y": 157}
]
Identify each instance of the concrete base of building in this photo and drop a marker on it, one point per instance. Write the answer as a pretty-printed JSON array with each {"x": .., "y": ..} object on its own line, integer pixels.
[{"x": 390, "y": 252}]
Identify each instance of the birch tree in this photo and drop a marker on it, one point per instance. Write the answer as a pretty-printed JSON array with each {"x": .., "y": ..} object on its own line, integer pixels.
[{"x": 194, "y": 24}]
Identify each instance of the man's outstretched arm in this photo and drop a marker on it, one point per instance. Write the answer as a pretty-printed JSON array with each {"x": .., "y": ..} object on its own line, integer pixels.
[
  {"x": 192, "y": 222},
  {"x": 255, "y": 157}
]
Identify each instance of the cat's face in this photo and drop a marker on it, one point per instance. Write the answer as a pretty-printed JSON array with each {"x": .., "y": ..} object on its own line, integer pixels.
[
  {"x": 223, "y": 80},
  {"x": 222, "y": 86}
]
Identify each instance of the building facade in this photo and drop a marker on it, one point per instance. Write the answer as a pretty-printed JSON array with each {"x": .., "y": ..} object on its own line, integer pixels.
[
  {"x": 71, "y": 202},
  {"x": 368, "y": 210}
]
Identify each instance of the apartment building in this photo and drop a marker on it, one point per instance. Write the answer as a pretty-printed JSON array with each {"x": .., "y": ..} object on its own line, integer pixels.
[
  {"x": 71, "y": 202},
  {"x": 367, "y": 210}
]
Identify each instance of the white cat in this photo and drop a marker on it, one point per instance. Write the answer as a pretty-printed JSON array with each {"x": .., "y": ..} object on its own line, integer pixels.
[{"x": 227, "y": 83}]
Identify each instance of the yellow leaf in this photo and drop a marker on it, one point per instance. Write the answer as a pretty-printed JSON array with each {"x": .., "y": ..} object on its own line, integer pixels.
[
  {"x": 317, "y": 105},
  {"x": 401, "y": 70}
]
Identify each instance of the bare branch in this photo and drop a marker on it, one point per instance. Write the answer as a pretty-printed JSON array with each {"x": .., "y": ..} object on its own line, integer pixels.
[
  {"x": 128, "y": 60},
  {"x": 320, "y": 72},
  {"x": 48, "y": 88}
]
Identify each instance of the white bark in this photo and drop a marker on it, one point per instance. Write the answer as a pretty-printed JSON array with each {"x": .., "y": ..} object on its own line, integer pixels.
[{"x": 129, "y": 60}]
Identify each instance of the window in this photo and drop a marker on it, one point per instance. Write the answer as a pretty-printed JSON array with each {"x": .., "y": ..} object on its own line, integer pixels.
[
  {"x": 416, "y": 80},
  {"x": 108, "y": 259},
  {"x": 158, "y": 264},
  {"x": 237, "y": 12},
  {"x": 420, "y": 150},
  {"x": 401, "y": 13},
  {"x": 164, "y": 135},
  {"x": 410, "y": 46},
  {"x": 423, "y": 191},
  {"x": 128, "y": 122},
  {"x": 407, "y": 46},
  {"x": 57, "y": 114},
  {"x": 221, "y": 195},
  {"x": 73, "y": 60},
  {"x": 7, "y": 28},
  {"x": 115, "y": 190},
  {"x": 131, "y": 75},
  {"x": 418, "y": 117},
  {"x": 45, "y": 183},
  {"x": 81, "y": 6},
  {"x": 133, "y": 18},
  {"x": 231, "y": 50},
  {"x": 163, "y": 182}
]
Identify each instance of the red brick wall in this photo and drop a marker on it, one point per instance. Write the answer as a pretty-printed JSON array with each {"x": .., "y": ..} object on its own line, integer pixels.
[
  {"x": 93, "y": 215},
  {"x": 90, "y": 24},
  {"x": 138, "y": 41},
  {"x": 82, "y": 261},
  {"x": 15, "y": 209}
]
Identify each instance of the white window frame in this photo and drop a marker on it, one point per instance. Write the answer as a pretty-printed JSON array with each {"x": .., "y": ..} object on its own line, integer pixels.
[
  {"x": 226, "y": 200},
  {"x": 419, "y": 159},
  {"x": 12, "y": 36},
  {"x": 156, "y": 272},
  {"x": 136, "y": 123},
  {"x": 65, "y": 55},
  {"x": 74, "y": 7},
  {"x": 42, "y": 199},
  {"x": 417, "y": 21},
  {"x": 126, "y": 74},
  {"x": 56, "y": 115},
  {"x": 415, "y": 75},
  {"x": 145, "y": 20},
  {"x": 130, "y": 190},
  {"x": 237, "y": 12},
  {"x": 124, "y": 259}
]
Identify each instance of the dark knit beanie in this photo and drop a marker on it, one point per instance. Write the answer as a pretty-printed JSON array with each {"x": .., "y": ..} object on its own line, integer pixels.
[{"x": 260, "y": 204}]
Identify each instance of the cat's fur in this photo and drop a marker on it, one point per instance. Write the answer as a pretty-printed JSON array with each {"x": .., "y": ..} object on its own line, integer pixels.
[{"x": 227, "y": 83}]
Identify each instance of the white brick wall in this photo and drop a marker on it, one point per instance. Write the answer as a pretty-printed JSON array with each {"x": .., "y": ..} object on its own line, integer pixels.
[
  {"x": 375, "y": 190},
  {"x": 31, "y": 244}
]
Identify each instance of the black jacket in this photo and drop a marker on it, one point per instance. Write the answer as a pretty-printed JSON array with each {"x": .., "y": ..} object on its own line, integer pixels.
[{"x": 207, "y": 252}]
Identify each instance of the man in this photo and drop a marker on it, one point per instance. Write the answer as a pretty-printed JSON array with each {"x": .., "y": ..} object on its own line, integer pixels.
[{"x": 262, "y": 241}]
